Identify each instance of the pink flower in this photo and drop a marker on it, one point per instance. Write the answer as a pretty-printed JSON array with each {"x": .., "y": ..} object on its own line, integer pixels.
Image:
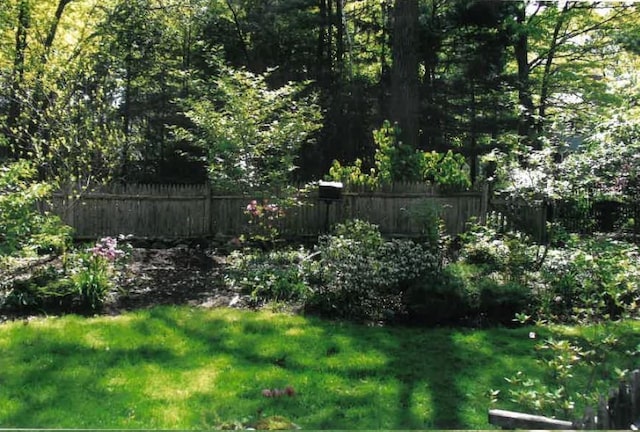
[{"x": 267, "y": 393}]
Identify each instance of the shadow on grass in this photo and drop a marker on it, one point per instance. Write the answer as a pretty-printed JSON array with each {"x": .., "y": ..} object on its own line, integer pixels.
[
  {"x": 422, "y": 369},
  {"x": 176, "y": 367}
]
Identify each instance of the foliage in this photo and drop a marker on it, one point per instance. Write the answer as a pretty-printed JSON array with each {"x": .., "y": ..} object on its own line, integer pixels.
[
  {"x": 353, "y": 174},
  {"x": 590, "y": 280},
  {"x": 274, "y": 275},
  {"x": 446, "y": 297},
  {"x": 251, "y": 132},
  {"x": 578, "y": 280},
  {"x": 82, "y": 283},
  {"x": 509, "y": 253},
  {"x": 94, "y": 272},
  {"x": 562, "y": 360},
  {"x": 263, "y": 220},
  {"x": 92, "y": 279},
  {"x": 359, "y": 275},
  {"x": 22, "y": 226},
  {"x": 396, "y": 161},
  {"x": 609, "y": 163},
  {"x": 425, "y": 214},
  {"x": 44, "y": 289},
  {"x": 449, "y": 170}
]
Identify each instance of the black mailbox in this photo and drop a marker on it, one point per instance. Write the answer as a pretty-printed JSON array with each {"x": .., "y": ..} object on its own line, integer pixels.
[{"x": 330, "y": 191}]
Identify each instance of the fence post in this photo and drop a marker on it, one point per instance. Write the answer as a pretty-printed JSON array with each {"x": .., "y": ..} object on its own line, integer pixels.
[
  {"x": 68, "y": 204},
  {"x": 484, "y": 203},
  {"x": 207, "y": 223}
]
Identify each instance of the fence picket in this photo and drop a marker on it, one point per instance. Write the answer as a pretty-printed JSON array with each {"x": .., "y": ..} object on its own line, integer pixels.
[{"x": 191, "y": 211}]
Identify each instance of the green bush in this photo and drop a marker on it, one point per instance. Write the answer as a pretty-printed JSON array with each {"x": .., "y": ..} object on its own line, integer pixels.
[
  {"x": 265, "y": 276},
  {"x": 22, "y": 226},
  {"x": 44, "y": 289},
  {"x": 359, "y": 275},
  {"x": 590, "y": 280},
  {"x": 501, "y": 301},
  {"x": 448, "y": 296}
]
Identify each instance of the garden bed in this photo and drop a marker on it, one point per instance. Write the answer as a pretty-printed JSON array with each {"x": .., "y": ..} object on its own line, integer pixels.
[{"x": 159, "y": 274}]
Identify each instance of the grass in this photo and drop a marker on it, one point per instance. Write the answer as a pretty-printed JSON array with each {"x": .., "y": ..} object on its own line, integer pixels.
[{"x": 180, "y": 367}]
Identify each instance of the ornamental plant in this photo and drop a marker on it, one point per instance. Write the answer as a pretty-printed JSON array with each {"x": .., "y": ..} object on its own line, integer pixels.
[
  {"x": 263, "y": 220},
  {"x": 95, "y": 269},
  {"x": 357, "y": 274}
]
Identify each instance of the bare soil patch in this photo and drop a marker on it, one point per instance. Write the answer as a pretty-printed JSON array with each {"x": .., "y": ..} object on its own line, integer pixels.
[{"x": 180, "y": 275}]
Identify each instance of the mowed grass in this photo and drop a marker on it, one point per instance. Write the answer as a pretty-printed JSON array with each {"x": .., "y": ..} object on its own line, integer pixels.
[{"x": 180, "y": 367}]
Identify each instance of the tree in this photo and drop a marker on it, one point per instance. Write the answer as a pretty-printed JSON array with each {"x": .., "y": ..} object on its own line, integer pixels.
[
  {"x": 251, "y": 133},
  {"x": 405, "y": 98}
]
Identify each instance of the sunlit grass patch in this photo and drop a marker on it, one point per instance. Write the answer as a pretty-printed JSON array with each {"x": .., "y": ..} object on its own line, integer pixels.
[{"x": 181, "y": 368}]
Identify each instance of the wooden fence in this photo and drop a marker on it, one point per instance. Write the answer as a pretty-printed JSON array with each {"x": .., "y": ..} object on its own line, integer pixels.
[
  {"x": 194, "y": 211},
  {"x": 620, "y": 409}
]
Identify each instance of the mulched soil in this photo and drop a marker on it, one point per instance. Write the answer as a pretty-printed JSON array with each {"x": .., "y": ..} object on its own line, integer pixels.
[{"x": 179, "y": 275}]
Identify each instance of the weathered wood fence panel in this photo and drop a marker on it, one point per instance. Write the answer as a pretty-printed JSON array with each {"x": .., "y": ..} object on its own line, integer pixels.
[{"x": 156, "y": 211}]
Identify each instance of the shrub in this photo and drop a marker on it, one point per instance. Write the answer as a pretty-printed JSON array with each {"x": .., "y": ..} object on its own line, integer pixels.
[
  {"x": 558, "y": 393},
  {"x": 22, "y": 225},
  {"x": 42, "y": 290},
  {"x": 359, "y": 275},
  {"x": 590, "y": 280},
  {"x": 509, "y": 253},
  {"x": 396, "y": 161},
  {"x": 265, "y": 276},
  {"x": 425, "y": 215},
  {"x": 263, "y": 220},
  {"x": 445, "y": 297},
  {"x": 501, "y": 301},
  {"x": 83, "y": 282}
]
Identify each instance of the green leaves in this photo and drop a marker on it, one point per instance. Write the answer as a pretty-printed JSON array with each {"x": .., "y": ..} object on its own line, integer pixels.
[
  {"x": 251, "y": 132},
  {"x": 22, "y": 226},
  {"x": 399, "y": 162}
]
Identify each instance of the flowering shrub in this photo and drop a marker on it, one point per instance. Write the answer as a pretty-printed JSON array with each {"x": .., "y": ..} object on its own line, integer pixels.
[
  {"x": 273, "y": 275},
  {"x": 97, "y": 268},
  {"x": 359, "y": 275},
  {"x": 92, "y": 279},
  {"x": 264, "y": 218}
]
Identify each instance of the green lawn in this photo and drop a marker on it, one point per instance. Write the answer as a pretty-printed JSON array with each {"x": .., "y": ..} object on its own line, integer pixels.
[{"x": 179, "y": 367}]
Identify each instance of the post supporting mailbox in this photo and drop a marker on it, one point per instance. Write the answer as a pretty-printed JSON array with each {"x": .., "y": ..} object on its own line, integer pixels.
[{"x": 329, "y": 192}]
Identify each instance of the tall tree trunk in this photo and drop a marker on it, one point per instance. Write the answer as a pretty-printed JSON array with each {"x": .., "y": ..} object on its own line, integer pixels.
[
  {"x": 240, "y": 33},
  {"x": 321, "y": 63},
  {"x": 526, "y": 124},
  {"x": 38, "y": 127},
  {"x": 16, "y": 143},
  {"x": 546, "y": 75},
  {"x": 384, "y": 67},
  {"x": 404, "y": 74},
  {"x": 339, "y": 34}
]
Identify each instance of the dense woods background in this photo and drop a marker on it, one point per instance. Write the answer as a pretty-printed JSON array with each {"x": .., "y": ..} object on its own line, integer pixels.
[{"x": 175, "y": 91}]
